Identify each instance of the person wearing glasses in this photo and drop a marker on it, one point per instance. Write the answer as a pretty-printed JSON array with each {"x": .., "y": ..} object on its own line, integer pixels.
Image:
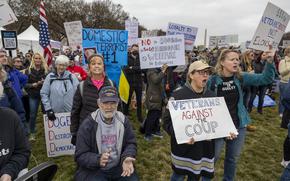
[{"x": 227, "y": 83}]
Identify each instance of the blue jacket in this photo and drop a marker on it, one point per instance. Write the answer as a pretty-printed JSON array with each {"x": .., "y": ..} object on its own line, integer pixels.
[
  {"x": 17, "y": 79},
  {"x": 11, "y": 100},
  {"x": 248, "y": 79}
]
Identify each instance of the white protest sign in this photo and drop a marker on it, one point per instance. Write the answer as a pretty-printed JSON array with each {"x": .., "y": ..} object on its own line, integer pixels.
[
  {"x": 58, "y": 136},
  {"x": 201, "y": 119},
  {"x": 149, "y": 33},
  {"x": 156, "y": 51},
  {"x": 132, "y": 27},
  {"x": 223, "y": 41},
  {"x": 286, "y": 43},
  {"x": 189, "y": 33},
  {"x": 271, "y": 28},
  {"x": 74, "y": 33},
  {"x": 6, "y": 14}
]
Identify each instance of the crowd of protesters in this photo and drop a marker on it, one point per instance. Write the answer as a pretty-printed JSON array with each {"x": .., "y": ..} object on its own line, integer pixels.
[{"x": 105, "y": 143}]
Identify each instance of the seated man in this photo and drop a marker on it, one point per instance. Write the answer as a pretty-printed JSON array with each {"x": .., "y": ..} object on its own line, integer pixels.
[
  {"x": 14, "y": 146},
  {"x": 106, "y": 145}
]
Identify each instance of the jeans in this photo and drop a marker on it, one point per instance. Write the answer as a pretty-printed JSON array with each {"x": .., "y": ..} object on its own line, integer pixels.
[
  {"x": 177, "y": 177},
  {"x": 248, "y": 91},
  {"x": 286, "y": 174},
  {"x": 233, "y": 150},
  {"x": 282, "y": 87},
  {"x": 33, "y": 106}
]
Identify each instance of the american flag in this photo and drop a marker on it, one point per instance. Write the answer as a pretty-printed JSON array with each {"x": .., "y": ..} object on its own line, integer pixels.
[{"x": 44, "y": 39}]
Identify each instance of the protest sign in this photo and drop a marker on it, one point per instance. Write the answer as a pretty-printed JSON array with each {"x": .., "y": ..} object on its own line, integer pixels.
[
  {"x": 73, "y": 32},
  {"x": 132, "y": 27},
  {"x": 286, "y": 43},
  {"x": 270, "y": 29},
  {"x": 156, "y": 51},
  {"x": 149, "y": 33},
  {"x": 9, "y": 39},
  {"x": 112, "y": 44},
  {"x": 222, "y": 41},
  {"x": 201, "y": 119},
  {"x": 189, "y": 33},
  {"x": 58, "y": 136},
  {"x": 6, "y": 14}
]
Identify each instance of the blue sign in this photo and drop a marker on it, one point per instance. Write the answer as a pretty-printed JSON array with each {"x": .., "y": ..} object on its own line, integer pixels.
[
  {"x": 9, "y": 40},
  {"x": 112, "y": 44}
]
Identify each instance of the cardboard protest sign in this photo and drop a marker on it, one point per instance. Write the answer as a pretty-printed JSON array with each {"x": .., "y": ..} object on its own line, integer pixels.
[
  {"x": 222, "y": 41},
  {"x": 201, "y": 119},
  {"x": 189, "y": 33},
  {"x": 58, "y": 136},
  {"x": 132, "y": 27},
  {"x": 73, "y": 32},
  {"x": 156, "y": 51},
  {"x": 6, "y": 14},
  {"x": 112, "y": 44},
  {"x": 270, "y": 29},
  {"x": 149, "y": 33}
]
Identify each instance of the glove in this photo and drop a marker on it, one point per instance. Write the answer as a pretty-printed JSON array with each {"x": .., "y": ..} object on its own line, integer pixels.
[
  {"x": 50, "y": 115},
  {"x": 73, "y": 139}
]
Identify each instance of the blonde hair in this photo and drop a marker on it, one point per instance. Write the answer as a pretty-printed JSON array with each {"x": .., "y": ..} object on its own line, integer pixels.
[
  {"x": 90, "y": 60},
  {"x": 43, "y": 63},
  {"x": 247, "y": 61},
  {"x": 222, "y": 58}
]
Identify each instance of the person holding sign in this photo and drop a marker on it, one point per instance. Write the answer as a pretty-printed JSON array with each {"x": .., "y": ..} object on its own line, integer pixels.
[
  {"x": 227, "y": 83},
  {"x": 106, "y": 146},
  {"x": 194, "y": 159}
]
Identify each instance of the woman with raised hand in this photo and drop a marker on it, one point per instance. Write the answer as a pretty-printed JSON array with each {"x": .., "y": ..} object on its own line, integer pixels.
[{"x": 227, "y": 83}]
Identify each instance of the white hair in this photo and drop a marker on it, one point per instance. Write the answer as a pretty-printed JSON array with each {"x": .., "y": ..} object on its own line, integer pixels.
[{"x": 62, "y": 59}]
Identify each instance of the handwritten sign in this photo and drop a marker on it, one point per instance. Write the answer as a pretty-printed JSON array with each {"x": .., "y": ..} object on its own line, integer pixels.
[
  {"x": 156, "y": 51},
  {"x": 270, "y": 29},
  {"x": 6, "y": 14},
  {"x": 132, "y": 27},
  {"x": 58, "y": 136},
  {"x": 189, "y": 33},
  {"x": 201, "y": 119},
  {"x": 74, "y": 33}
]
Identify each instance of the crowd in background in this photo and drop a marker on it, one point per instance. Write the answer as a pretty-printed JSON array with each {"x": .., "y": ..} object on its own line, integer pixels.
[{"x": 70, "y": 85}]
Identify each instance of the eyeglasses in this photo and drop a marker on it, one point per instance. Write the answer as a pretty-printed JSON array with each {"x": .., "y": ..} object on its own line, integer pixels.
[{"x": 203, "y": 72}]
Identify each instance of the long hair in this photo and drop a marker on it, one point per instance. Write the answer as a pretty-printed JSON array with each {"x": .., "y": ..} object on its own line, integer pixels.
[
  {"x": 43, "y": 63},
  {"x": 222, "y": 57},
  {"x": 246, "y": 61}
]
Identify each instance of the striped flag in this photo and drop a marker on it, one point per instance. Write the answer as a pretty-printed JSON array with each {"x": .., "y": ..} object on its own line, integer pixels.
[
  {"x": 44, "y": 38},
  {"x": 124, "y": 87}
]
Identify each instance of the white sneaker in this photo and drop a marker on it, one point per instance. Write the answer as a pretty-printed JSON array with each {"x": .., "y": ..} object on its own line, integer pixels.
[{"x": 284, "y": 163}]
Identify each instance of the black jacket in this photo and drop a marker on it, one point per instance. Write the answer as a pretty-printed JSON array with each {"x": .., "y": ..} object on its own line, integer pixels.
[
  {"x": 14, "y": 146},
  {"x": 197, "y": 151},
  {"x": 85, "y": 104},
  {"x": 33, "y": 77},
  {"x": 134, "y": 74}
]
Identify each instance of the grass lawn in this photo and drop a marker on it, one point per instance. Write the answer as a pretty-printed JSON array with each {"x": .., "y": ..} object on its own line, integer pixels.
[{"x": 259, "y": 161}]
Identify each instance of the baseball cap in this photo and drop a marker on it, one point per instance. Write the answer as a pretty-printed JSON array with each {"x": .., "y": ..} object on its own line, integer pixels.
[
  {"x": 108, "y": 94},
  {"x": 198, "y": 65}
]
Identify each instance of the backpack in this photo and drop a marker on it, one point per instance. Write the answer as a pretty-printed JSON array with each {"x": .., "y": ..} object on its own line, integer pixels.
[{"x": 53, "y": 75}]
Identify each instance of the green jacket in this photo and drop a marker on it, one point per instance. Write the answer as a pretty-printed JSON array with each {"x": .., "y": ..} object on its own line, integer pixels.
[{"x": 247, "y": 79}]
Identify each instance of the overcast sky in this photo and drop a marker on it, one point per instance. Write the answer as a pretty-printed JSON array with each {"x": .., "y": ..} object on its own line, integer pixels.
[{"x": 220, "y": 17}]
